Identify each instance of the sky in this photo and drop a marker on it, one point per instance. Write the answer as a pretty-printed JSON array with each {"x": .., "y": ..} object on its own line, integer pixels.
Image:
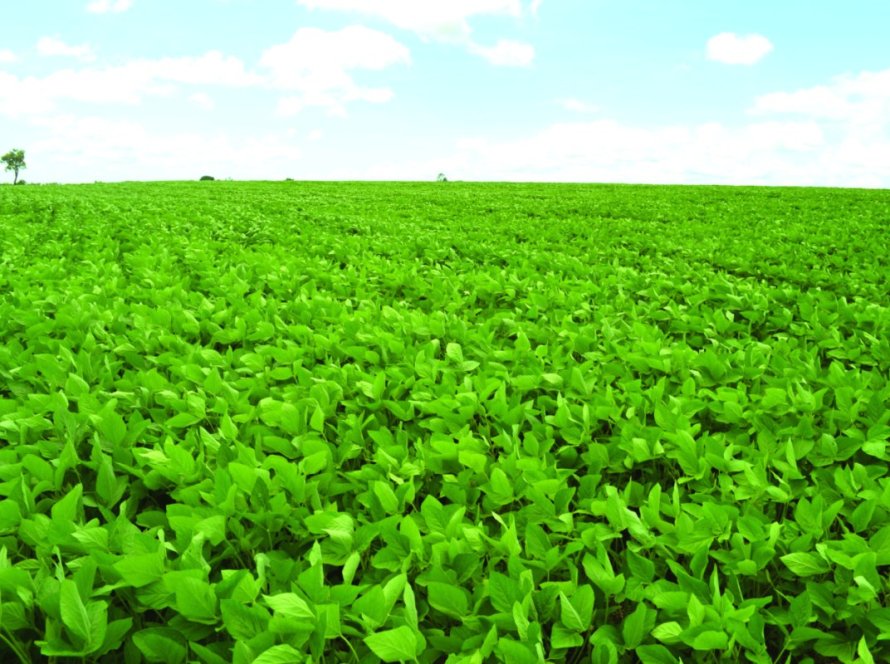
[{"x": 786, "y": 92}]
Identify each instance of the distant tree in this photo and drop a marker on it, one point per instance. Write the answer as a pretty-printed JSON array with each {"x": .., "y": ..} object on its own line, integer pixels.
[
  {"x": 441, "y": 178},
  {"x": 207, "y": 178},
  {"x": 15, "y": 162}
]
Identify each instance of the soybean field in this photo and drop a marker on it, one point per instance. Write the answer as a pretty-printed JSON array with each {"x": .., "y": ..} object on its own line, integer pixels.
[{"x": 285, "y": 422}]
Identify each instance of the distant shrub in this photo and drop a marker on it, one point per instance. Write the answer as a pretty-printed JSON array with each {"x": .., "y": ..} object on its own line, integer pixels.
[
  {"x": 207, "y": 178},
  {"x": 441, "y": 178},
  {"x": 18, "y": 182}
]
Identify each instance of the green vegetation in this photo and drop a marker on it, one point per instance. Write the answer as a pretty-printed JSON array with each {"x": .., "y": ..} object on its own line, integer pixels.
[{"x": 523, "y": 423}]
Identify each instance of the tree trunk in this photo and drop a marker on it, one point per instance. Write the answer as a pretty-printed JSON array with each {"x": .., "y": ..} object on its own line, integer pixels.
[{"x": 15, "y": 178}]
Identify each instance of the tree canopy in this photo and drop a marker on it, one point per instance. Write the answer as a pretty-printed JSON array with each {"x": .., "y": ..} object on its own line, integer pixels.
[{"x": 15, "y": 162}]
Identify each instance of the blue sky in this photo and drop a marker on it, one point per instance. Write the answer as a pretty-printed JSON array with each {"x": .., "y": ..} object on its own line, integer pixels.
[{"x": 733, "y": 92}]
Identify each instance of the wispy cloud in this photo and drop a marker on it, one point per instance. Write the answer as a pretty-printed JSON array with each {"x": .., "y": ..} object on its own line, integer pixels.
[
  {"x": 202, "y": 100},
  {"x": 434, "y": 19},
  {"x": 577, "y": 106},
  {"x": 52, "y": 47},
  {"x": 732, "y": 49},
  {"x": 127, "y": 84},
  {"x": 443, "y": 21},
  {"x": 109, "y": 6},
  {"x": 506, "y": 53}
]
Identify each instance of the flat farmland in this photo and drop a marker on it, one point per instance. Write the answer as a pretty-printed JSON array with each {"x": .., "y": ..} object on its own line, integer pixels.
[{"x": 447, "y": 422}]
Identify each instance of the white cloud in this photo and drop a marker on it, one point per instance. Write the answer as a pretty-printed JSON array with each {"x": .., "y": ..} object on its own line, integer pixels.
[
  {"x": 535, "y": 7},
  {"x": 821, "y": 101},
  {"x": 333, "y": 99},
  {"x": 314, "y": 67},
  {"x": 506, "y": 53},
  {"x": 577, "y": 106},
  {"x": 353, "y": 47},
  {"x": 771, "y": 152},
  {"x": 855, "y": 111},
  {"x": 127, "y": 84},
  {"x": 109, "y": 149},
  {"x": 444, "y": 20},
  {"x": 835, "y": 134},
  {"x": 202, "y": 100},
  {"x": 7, "y": 56},
  {"x": 52, "y": 47},
  {"x": 212, "y": 68},
  {"x": 315, "y": 135},
  {"x": 611, "y": 151},
  {"x": 863, "y": 99},
  {"x": 109, "y": 6},
  {"x": 732, "y": 49}
]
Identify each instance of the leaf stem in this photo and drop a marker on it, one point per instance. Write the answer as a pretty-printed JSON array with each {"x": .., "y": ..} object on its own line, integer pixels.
[{"x": 15, "y": 646}]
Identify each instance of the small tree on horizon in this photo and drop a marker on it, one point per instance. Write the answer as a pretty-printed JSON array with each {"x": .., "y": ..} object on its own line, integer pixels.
[
  {"x": 15, "y": 162},
  {"x": 441, "y": 178}
]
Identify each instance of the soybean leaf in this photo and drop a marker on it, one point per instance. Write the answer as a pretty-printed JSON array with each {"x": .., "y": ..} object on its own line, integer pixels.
[{"x": 394, "y": 645}]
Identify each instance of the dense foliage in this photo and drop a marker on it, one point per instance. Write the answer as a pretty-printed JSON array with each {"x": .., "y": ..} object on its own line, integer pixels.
[{"x": 350, "y": 422}]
